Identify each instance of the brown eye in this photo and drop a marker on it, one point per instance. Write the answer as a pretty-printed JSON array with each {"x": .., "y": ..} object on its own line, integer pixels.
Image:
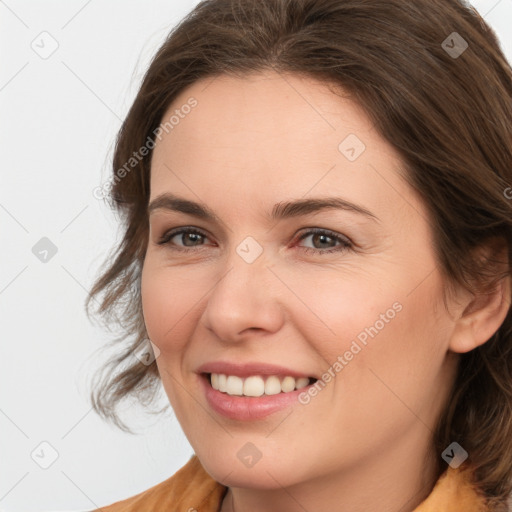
[
  {"x": 322, "y": 237},
  {"x": 187, "y": 236}
]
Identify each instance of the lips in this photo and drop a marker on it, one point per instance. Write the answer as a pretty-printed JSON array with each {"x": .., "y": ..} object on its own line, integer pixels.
[
  {"x": 251, "y": 368},
  {"x": 246, "y": 408}
]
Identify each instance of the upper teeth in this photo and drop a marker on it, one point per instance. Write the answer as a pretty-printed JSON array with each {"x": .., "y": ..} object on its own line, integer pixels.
[{"x": 256, "y": 385}]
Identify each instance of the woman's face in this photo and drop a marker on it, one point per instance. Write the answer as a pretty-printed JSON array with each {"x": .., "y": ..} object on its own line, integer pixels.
[{"x": 246, "y": 287}]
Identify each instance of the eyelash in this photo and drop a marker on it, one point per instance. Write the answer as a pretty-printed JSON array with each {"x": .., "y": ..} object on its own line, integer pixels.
[{"x": 346, "y": 244}]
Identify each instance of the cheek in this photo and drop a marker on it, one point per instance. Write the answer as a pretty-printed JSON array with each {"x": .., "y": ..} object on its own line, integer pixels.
[
  {"x": 373, "y": 324},
  {"x": 168, "y": 306},
  {"x": 399, "y": 370},
  {"x": 338, "y": 306}
]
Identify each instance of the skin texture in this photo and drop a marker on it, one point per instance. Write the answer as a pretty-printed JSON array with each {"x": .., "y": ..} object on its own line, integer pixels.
[{"x": 364, "y": 442}]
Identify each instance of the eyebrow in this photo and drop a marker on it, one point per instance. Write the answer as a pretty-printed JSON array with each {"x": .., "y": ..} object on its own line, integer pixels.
[{"x": 281, "y": 210}]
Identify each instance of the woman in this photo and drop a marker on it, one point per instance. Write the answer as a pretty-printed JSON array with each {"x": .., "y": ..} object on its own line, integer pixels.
[{"x": 317, "y": 205}]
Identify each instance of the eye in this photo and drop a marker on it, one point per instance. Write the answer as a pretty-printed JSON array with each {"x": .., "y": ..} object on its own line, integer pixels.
[
  {"x": 319, "y": 236},
  {"x": 183, "y": 235},
  {"x": 322, "y": 236}
]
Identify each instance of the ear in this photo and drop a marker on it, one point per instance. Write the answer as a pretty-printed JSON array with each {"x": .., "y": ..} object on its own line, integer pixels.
[{"x": 482, "y": 313}]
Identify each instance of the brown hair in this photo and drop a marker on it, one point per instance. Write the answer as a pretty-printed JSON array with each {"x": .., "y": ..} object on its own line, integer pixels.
[{"x": 450, "y": 117}]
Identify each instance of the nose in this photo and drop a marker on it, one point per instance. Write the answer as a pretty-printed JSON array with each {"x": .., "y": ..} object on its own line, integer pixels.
[{"x": 245, "y": 299}]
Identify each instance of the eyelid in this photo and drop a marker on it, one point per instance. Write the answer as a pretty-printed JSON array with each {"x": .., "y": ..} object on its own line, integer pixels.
[
  {"x": 171, "y": 233},
  {"x": 313, "y": 229},
  {"x": 346, "y": 242}
]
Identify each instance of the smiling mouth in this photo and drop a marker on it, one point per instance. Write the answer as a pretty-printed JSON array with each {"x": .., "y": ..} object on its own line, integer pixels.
[{"x": 256, "y": 385}]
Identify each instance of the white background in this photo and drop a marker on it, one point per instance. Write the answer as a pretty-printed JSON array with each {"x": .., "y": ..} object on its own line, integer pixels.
[{"x": 58, "y": 120}]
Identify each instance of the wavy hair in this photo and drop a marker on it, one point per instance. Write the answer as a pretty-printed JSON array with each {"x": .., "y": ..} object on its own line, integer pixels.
[{"x": 448, "y": 113}]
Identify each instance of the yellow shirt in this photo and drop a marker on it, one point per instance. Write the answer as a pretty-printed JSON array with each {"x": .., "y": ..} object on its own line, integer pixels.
[{"x": 192, "y": 489}]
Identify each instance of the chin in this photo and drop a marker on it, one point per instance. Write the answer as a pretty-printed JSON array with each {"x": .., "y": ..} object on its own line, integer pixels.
[{"x": 266, "y": 473}]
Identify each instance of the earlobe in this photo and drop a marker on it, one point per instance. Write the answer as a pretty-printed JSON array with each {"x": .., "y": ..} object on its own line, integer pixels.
[{"x": 481, "y": 318}]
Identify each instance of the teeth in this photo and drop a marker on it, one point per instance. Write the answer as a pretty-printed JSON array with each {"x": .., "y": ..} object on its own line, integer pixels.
[
  {"x": 234, "y": 385},
  {"x": 222, "y": 383},
  {"x": 255, "y": 385},
  {"x": 288, "y": 384},
  {"x": 272, "y": 385}
]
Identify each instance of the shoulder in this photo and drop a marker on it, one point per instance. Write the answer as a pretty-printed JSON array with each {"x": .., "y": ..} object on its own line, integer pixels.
[
  {"x": 454, "y": 491},
  {"x": 191, "y": 488}
]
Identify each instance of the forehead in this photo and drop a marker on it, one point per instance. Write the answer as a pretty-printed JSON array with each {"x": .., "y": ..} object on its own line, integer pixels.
[
  {"x": 290, "y": 113},
  {"x": 272, "y": 136}
]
